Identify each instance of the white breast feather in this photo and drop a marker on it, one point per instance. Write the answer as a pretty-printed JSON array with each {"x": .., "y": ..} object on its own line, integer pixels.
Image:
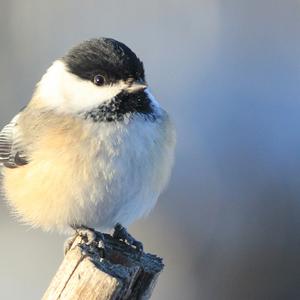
[{"x": 132, "y": 166}]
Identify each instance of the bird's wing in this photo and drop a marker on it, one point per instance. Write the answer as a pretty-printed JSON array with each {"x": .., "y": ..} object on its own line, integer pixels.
[{"x": 12, "y": 154}]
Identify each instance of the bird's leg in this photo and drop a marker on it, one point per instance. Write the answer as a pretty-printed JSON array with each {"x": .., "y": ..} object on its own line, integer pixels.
[
  {"x": 121, "y": 234},
  {"x": 88, "y": 235}
]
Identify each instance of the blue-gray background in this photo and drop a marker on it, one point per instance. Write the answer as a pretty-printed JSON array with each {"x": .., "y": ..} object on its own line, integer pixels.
[{"x": 228, "y": 72}]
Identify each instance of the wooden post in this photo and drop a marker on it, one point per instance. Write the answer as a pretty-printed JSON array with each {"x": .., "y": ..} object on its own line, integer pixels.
[{"x": 122, "y": 274}]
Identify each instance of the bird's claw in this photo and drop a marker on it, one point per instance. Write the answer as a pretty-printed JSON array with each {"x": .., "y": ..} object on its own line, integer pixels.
[
  {"x": 87, "y": 234},
  {"x": 120, "y": 233},
  {"x": 89, "y": 237}
]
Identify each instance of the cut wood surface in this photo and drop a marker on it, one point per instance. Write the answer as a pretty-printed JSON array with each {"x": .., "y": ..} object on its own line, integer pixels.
[{"x": 124, "y": 273}]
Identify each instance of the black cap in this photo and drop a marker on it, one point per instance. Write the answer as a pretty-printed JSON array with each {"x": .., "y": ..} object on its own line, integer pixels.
[{"x": 105, "y": 56}]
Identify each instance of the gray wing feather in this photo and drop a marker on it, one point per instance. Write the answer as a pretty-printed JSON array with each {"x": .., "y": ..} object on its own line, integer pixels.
[{"x": 12, "y": 153}]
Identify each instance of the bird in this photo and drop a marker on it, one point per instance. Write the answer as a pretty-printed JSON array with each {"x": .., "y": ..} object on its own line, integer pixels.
[{"x": 93, "y": 149}]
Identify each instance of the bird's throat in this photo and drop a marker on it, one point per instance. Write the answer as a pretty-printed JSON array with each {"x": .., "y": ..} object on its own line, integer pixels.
[{"x": 123, "y": 105}]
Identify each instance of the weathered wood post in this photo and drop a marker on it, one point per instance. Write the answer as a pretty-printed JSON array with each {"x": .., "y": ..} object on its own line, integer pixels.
[{"x": 122, "y": 274}]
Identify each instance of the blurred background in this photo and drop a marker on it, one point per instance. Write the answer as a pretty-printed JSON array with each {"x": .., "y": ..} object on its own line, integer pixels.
[{"x": 229, "y": 74}]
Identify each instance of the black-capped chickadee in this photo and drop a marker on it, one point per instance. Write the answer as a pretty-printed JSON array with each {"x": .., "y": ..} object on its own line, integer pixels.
[{"x": 93, "y": 148}]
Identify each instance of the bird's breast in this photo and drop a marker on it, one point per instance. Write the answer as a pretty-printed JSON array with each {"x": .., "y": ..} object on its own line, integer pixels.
[{"x": 93, "y": 174}]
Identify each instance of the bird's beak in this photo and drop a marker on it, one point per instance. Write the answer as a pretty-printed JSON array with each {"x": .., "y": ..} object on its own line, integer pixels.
[{"x": 136, "y": 86}]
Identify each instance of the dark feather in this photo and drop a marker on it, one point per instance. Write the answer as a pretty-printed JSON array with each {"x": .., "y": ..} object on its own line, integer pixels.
[{"x": 12, "y": 154}]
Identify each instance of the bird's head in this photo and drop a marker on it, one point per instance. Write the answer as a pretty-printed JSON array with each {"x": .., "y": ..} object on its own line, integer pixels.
[{"x": 92, "y": 74}]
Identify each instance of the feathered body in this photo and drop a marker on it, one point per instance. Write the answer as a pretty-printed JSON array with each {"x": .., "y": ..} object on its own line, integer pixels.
[{"x": 94, "y": 165}]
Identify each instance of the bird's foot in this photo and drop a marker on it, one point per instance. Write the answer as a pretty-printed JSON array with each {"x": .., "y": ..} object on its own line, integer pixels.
[
  {"x": 121, "y": 234},
  {"x": 89, "y": 237}
]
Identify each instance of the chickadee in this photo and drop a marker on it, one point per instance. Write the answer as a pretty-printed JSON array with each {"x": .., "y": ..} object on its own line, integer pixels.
[{"x": 93, "y": 148}]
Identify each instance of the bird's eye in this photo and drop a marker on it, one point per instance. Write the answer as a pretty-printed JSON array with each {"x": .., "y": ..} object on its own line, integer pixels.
[{"x": 99, "y": 80}]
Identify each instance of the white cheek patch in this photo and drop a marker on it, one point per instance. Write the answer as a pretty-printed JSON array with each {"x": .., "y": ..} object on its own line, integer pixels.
[
  {"x": 81, "y": 95},
  {"x": 68, "y": 93}
]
